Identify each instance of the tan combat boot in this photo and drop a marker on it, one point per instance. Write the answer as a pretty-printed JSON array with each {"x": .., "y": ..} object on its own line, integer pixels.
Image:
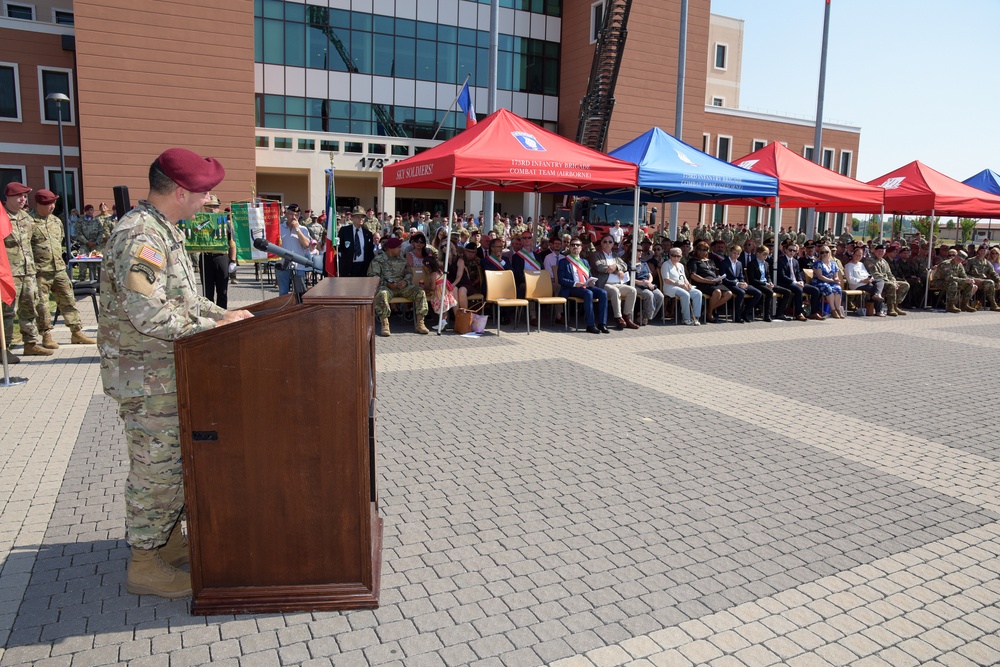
[
  {"x": 48, "y": 342},
  {"x": 35, "y": 350},
  {"x": 966, "y": 306},
  {"x": 993, "y": 304},
  {"x": 149, "y": 575},
  {"x": 900, "y": 311},
  {"x": 419, "y": 326},
  {"x": 80, "y": 338},
  {"x": 385, "y": 327},
  {"x": 12, "y": 358},
  {"x": 175, "y": 551}
]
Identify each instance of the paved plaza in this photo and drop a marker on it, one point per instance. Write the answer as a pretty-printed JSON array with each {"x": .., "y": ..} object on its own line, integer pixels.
[{"x": 820, "y": 493}]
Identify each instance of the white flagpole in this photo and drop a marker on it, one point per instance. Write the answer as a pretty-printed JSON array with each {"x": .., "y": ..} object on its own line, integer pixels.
[
  {"x": 452, "y": 106},
  {"x": 447, "y": 254}
]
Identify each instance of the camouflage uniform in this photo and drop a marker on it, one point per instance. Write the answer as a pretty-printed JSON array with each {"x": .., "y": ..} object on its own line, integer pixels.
[
  {"x": 846, "y": 238},
  {"x": 500, "y": 227},
  {"x": 22, "y": 268},
  {"x": 701, "y": 233},
  {"x": 894, "y": 290},
  {"x": 740, "y": 237},
  {"x": 46, "y": 246},
  {"x": 727, "y": 236},
  {"x": 371, "y": 224},
  {"x": 983, "y": 270},
  {"x": 318, "y": 232},
  {"x": 518, "y": 229},
  {"x": 108, "y": 223},
  {"x": 90, "y": 234},
  {"x": 388, "y": 270},
  {"x": 684, "y": 233},
  {"x": 148, "y": 300},
  {"x": 950, "y": 276}
]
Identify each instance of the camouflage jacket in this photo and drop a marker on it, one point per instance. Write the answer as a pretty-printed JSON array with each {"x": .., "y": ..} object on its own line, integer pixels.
[
  {"x": 148, "y": 300},
  {"x": 318, "y": 232},
  {"x": 90, "y": 231},
  {"x": 980, "y": 268},
  {"x": 46, "y": 243},
  {"x": 108, "y": 223},
  {"x": 947, "y": 271},
  {"x": 390, "y": 269},
  {"x": 18, "y": 245},
  {"x": 371, "y": 224},
  {"x": 879, "y": 268}
]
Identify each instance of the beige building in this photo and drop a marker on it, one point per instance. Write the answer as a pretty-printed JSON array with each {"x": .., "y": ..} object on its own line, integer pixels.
[{"x": 725, "y": 62}]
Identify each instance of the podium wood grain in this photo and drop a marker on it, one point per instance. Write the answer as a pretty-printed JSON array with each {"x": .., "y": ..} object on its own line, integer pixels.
[{"x": 278, "y": 446}]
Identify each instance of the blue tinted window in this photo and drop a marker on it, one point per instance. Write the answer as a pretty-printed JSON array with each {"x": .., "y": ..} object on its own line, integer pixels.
[
  {"x": 274, "y": 42},
  {"x": 361, "y": 51},
  {"x": 406, "y": 28},
  {"x": 405, "y": 57},
  {"x": 447, "y": 62},
  {"x": 295, "y": 51}
]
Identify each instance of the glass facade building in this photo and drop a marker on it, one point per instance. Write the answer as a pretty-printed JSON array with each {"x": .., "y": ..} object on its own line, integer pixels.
[{"x": 378, "y": 68}]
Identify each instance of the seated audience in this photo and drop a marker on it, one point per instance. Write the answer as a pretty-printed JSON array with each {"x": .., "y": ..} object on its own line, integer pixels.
[
  {"x": 676, "y": 286},
  {"x": 612, "y": 276},
  {"x": 703, "y": 272},
  {"x": 575, "y": 280}
]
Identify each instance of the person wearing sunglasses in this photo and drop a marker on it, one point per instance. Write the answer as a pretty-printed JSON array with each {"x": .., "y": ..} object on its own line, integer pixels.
[
  {"x": 704, "y": 274},
  {"x": 575, "y": 280},
  {"x": 612, "y": 276},
  {"x": 826, "y": 278}
]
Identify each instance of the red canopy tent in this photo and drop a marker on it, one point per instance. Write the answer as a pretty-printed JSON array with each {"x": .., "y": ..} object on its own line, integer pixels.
[
  {"x": 916, "y": 189},
  {"x": 804, "y": 184},
  {"x": 505, "y": 152},
  {"x": 508, "y": 153}
]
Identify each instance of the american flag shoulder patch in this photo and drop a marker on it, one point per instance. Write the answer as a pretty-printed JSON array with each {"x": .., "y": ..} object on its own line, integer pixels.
[{"x": 150, "y": 256}]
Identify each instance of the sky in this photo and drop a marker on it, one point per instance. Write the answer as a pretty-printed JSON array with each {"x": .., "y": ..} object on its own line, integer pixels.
[{"x": 918, "y": 77}]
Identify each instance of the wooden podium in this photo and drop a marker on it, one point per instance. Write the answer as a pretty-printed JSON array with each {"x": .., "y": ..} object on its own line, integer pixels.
[{"x": 277, "y": 418}]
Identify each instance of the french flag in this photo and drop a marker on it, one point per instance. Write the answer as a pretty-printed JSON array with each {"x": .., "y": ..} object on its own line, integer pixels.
[{"x": 465, "y": 104}]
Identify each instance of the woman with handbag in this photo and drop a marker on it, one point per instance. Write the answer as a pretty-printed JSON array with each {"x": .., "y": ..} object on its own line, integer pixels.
[{"x": 441, "y": 300}]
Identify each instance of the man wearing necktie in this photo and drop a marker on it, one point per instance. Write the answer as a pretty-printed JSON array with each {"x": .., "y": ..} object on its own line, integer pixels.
[{"x": 357, "y": 247}]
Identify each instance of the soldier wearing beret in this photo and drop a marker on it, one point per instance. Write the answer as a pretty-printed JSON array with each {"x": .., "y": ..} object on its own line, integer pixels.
[
  {"x": 22, "y": 268},
  {"x": 50, "y": 268},
  {"x": 149, "y": 300},
  {"x": 396, "y": 280}
]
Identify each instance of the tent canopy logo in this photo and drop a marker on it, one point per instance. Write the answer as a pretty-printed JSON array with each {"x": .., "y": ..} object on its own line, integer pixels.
[
  {"x": 748, "y": 164},
  {"x": 685, "y": 159},
  {"x": 528, "y": 141},
  {"x": 893, "y": 183}
]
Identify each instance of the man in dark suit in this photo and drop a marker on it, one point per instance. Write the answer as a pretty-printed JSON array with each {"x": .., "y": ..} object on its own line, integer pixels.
[
  {"x": 575, "y": 280},
  {"x": 357, "y": 247},
  {"x": 759, "y": 275},
  {"x": 790, "y": 277},
  {"x": 734, "y": 278}
]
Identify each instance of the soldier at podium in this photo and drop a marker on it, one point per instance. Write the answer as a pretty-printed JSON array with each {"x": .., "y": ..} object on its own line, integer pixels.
[{"x": 149, "y": 299}]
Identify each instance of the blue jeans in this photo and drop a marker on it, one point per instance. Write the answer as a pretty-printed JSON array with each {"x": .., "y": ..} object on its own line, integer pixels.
[{"x": 285, "y": 280}]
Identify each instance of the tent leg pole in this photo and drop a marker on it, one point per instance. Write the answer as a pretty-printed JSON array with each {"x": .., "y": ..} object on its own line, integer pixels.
[{"x": 447, "y": 255}]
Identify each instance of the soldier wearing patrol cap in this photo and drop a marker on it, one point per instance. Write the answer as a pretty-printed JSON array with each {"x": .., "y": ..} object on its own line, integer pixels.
[
  {"x": 22, "y": 268},
  {"x": 50, "y": 268},
  {"x": 148, "y": 300}
]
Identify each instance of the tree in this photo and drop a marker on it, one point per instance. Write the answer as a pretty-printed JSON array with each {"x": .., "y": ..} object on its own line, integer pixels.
[
  {"x": 923, "y": 225},
  {"x": 874, "y": 227},
  {"x": 968, "y": 226},
  {"x": 897, "y": 227},
  {"x": 855, "y": 225}
]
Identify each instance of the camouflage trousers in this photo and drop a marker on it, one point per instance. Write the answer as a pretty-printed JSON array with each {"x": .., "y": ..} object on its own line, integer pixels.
[
  {"x": 895, "y": 291},
  {"x": 61, "y": 287},
  {"x": 953, "y": 289},
  {"x": 412, "y": 292},
  {"x": 987, "y": 290},
  {"x": 26, "y": 295},
  {"x": 154, "y": 489}
]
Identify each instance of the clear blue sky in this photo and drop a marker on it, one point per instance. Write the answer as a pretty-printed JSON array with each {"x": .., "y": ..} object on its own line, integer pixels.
[{"x": 918, "y": 77}]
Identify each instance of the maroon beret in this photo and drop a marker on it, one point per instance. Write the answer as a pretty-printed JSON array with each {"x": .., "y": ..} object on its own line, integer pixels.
[
  {"x": 392, "y": 242},
  {"x": 191, "y": 171},
  {"x": 14, "y": 189},
  {"x": 46, "y": 197}
]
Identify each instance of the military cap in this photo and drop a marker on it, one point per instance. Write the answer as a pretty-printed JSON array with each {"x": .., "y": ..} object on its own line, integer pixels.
[
  {"x": 358, "y": 210},
  {"x": 14, "y": 189},
  {"x": 292, "y": 207},
  {"x": 213, "y": 201},
  {"x": 392, "y": 242},
  {"x": 88, "y": 207},
  {"x": 963, "y": 254},
  {"x": 880, "y": 246},
  {"x": 472, "y": 245},
  {"x": 191, "y": 171},
  {"x": 46, "y": 197}
]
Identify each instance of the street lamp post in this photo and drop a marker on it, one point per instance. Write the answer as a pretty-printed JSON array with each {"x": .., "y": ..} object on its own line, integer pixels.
[{"x": 59, "y": 98}]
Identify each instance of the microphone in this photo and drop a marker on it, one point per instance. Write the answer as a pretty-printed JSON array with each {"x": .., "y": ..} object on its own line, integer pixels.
[{"x": 309, "y": 263}]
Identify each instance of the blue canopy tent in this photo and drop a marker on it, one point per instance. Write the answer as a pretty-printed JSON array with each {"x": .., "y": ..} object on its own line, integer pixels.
[
  {"x": 672, "y": 171},
  {"x": 988, "y": 181}
]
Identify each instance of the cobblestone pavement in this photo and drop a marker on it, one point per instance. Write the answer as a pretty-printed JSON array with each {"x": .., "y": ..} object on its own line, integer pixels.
[{"x": 767, "y": 494}]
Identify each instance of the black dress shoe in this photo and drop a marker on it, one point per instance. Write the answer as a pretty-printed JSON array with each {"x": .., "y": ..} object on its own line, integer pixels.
[
  {"x": 603, "y": 328},
  {"x": 593, "y": 330},
  {"x": 767, "y": 319},
  {"x": 783, "y": 318}
]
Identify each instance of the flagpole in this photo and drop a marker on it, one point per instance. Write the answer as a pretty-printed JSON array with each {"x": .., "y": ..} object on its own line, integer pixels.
[
  {"x": 679, "y": 108},
  {"x": 447, "y": 255},
  {"x": 818, "y": 137},
  {"x": 452, "y": 106},
  {"x": 8, "y": 381}
]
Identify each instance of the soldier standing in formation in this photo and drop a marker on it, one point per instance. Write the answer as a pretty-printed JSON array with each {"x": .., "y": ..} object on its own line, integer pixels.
[
  {"x": 396, "y": 280},
  {"x": 149, "y": 300},
  {"x": 22, "y": 268},
  {"x": 50, "y": 269}
]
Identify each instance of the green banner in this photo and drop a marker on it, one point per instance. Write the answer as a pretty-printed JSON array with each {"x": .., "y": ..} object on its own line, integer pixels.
[
  {"x": 241, "y": 232},
  {"x": 206, "y": 233}
]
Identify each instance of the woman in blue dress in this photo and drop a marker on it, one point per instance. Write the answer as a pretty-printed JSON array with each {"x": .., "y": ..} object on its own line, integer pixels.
[{"x": 826, "y": 277}]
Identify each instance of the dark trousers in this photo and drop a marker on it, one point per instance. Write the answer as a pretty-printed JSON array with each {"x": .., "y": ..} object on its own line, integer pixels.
[
  {"x": 785, "y": 298},
  {"x": 588, "y": 294},
  {"x": 740, "y": 304},
  {"x": 216, "y": 278},
  {"x": 354, "y": 269},
  {"x": 815, "y": 297}
]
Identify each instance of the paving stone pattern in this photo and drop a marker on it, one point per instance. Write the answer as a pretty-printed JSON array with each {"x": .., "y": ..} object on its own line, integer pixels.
[{"x": 670, "y": 496}]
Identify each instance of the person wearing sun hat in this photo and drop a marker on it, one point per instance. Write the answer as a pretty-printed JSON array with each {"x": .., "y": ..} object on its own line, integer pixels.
[{"x": 149, "y": 300}]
